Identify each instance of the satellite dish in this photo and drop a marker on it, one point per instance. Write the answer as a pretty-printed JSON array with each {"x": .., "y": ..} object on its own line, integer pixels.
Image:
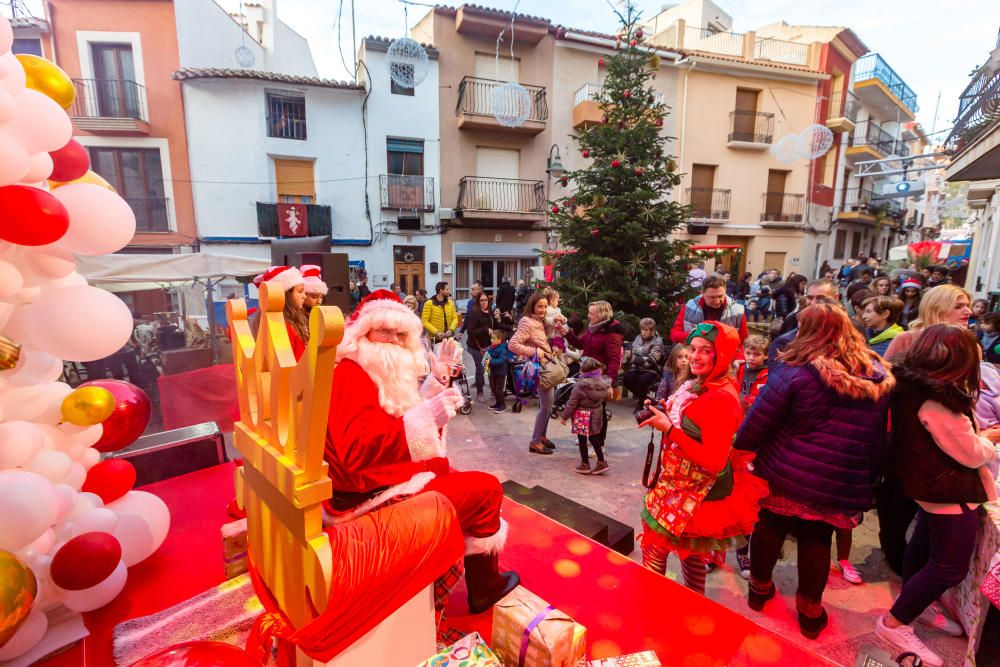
[
  {"x": 817, "y": 140},
  {"x": 511, "y": 104},
  {"x": 244, "y": 56},
  {"x": 408, "y": 65}
]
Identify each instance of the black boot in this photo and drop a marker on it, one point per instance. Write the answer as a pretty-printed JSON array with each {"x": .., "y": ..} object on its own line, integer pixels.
[{"x": 486, "y": 584}]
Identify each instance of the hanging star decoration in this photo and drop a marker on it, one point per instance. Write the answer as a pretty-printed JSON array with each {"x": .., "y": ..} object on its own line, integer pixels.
[
  {"x": 635, "y": 264},
  {"x": 649, "y": 213}
]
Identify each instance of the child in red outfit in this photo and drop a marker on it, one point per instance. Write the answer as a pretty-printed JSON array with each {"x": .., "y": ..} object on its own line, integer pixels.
[{"x": 704, "y": 499}]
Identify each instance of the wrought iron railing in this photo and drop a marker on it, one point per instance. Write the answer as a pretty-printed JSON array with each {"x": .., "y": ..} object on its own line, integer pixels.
[
  {"x": 109, "y": 98},
  {"x": 872, "y": 66},
  {"x": 503, "y": 195},
  {"x": 978, "y": 110},
  {"x": 752, "y": 126},
  {"x": 413, "y": 192},
  {"x": 857, "y": 199},
  {"x": 843, "y": 104},
  {"x": 782, "y": 207},
  {"x": 709, "y": 203},
  {"x": 868, "y": 133},
  {"x": 319, "y": 220},
  {"x": 151, "y": 213},
  {"x": 781, "y": 51},
  {"x": 475, "y": 97},
  {"x": 703, "y": 39}
]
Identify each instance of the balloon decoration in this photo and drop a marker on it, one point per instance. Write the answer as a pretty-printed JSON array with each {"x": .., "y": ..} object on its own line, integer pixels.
[
  {"x": 70, "y": 162},
  {"x": 47, "y": 78},
  {"x": 129, "y": 418},
  {"x": 88, "y": 406},
  {"x": 70, "y": 524},
  {"x": 18, "y": 590},
  {"x": 199, "y": 654},
  {"x": 31, "y": 217}
]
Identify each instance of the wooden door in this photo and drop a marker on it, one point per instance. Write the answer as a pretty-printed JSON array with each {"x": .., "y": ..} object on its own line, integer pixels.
[
  {"x": 775, "y": 260},
  {"x": 702, "y": 182},
  {"x": 745, "y": 121},
  {"x": 409, "y": 276},
  {"x": 732, "y": 262},
  {"x": 775, "y": 193},
  {"x": 114, "y": 72}
]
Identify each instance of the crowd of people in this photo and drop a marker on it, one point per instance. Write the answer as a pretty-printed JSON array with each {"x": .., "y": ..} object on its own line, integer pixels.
[{"x": 867, "y": 391}]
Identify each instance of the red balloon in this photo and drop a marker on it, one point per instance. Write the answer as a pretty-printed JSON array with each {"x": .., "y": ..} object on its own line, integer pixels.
[
  {"x": 30, "y": 216},
  {"x": 85, "y": 561},
  {"x": 130, "y": 416},
  {"x": 110, "y": 479},
  {"x": 199, "y": 654},
  {"x": 70, "y": 162}
]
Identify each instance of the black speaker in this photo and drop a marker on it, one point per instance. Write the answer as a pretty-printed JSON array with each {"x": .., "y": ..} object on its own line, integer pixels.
[
  {"x": 335, "y": 274},
  {"x": 160, "y": 456}
]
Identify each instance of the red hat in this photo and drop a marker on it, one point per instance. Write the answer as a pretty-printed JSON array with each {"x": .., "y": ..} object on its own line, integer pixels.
[
  {"x": 313, "y": 279},
  {"x": 381, "y": 308},
  {"x": 368, "y": 306},
  {"x": 286, "y": 277}
]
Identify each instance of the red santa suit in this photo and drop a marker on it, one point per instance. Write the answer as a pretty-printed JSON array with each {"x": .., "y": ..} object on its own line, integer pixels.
[{"x": 385, "y": 440}]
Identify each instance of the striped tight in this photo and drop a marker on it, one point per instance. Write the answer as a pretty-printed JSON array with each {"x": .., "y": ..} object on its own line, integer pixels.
[{"x": 692, "y": 567}]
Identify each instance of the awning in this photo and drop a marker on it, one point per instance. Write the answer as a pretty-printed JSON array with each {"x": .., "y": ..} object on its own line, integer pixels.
[{"x": 130, "y": 273}]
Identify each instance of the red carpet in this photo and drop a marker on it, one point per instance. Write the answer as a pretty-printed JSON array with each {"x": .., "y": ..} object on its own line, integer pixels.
[{"x": 625, "y": 607}]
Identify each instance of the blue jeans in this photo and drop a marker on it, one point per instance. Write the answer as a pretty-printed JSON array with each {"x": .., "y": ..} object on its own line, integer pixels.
[
  {"x": 937, "y": 558},
  {"x": 546, "y": 397},
  {"x": 477, "y": 360}
]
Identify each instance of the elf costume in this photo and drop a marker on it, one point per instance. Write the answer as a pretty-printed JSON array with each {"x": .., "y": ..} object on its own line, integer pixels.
[{"x": 705, "y": 499}]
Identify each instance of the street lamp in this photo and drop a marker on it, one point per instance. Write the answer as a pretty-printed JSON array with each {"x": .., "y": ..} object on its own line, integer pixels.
[{"x": 554, "y": 167}]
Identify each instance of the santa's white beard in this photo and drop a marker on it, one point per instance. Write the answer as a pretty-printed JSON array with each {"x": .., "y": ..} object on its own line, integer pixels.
[{"x": 395, "y": 370}]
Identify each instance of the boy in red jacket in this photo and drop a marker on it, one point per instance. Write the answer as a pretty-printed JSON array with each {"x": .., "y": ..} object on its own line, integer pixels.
[{"x": 751, "y": 375}]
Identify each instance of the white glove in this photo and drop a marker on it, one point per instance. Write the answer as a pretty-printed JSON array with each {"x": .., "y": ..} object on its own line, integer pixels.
[
  {"x": 444, "y": 406},
  {"x": 448, "y": 361}
]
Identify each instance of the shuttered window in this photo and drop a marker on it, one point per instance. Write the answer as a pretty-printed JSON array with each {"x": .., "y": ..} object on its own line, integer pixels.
[
  {"x": 295, "y": 181},
  {"x": 486, "y": 67},
  {"x": 497, "y": 162}
]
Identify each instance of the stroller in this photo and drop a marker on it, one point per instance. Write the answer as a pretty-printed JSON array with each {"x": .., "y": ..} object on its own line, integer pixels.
[
  {"x": 563, "y": 391},
  {"x": 463, "y": 385}
]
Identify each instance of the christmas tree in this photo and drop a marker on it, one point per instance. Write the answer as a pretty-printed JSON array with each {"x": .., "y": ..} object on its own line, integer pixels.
[{"x": 615, "y": 228}]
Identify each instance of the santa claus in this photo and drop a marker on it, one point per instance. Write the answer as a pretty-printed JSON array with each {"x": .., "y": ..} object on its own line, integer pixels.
[{"x": 386, "y": 435}]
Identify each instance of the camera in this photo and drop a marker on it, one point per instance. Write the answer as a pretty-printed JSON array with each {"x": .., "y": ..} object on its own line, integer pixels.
[{"x": 642, "y": 414}]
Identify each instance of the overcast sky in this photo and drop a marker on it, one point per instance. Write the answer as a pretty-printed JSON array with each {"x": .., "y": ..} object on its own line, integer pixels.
[{"x": 932, "y": 44}]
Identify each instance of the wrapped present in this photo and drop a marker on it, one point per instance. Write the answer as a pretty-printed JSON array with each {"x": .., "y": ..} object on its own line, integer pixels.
[
  {"x": 469, "y": 651},
  {"x": 644, "y": 659},
  {"x": 529, "y": 632},
  {"x": 234, "y": 548}
]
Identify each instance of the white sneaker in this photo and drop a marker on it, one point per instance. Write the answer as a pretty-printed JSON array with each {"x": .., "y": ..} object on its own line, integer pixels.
[
  {"x": 850, "y": 573},
  {"x": 903, "y": 640},
  {"x": 935, "y": 618}
]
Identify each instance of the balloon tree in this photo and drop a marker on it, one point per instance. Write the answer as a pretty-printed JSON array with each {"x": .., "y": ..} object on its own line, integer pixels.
[{"x": 70, "y": 524}]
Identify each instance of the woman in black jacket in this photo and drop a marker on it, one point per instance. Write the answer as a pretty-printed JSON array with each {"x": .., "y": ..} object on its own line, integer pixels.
[
  {"x": 479, "y": 321},
  {"x": 787, "y": 296}
]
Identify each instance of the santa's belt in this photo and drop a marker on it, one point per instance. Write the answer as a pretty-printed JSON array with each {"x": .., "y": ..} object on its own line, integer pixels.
[{"x": 343, "y": 501}]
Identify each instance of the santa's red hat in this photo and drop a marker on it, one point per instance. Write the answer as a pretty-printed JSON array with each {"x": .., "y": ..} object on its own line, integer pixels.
[
  {"x": 285, "y": 277},
  {"x": 381, "y": 309},
  {"x": 314, "y": 279}
]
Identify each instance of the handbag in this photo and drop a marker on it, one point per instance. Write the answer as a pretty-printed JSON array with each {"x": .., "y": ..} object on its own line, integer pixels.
[
  {"x": 526, "y": 378},
  {"x": 552, "y": 373},
  {"x": 581, "y": 422}
]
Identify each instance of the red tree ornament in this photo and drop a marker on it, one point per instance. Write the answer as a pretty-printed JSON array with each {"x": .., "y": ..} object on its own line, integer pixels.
[
  {"x": 600, "y": 62},
  {"x": 564, "y": 182},
  {"x": 638, "y": 171},
  {"x": 585, "y": 153},
  {"x": 555, "y": 209},
  {"x": 659, "y": 122},
  {"x": 627, "y": 94},
  {"x": 594, "y": 231},
  {"x": 633, "y": 43},
  {"x": 616, "y": 164},
  {"x": 654, "y": 305},
  {"x": 638, "y": 33}
]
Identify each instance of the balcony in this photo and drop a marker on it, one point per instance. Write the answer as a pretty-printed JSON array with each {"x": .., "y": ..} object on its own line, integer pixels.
[
  {"x": 399, "y": 192},
  {"x": 475, "y": 108},
  {"x": 974, "y": 138},
  {"x": 110, "y": 106},
  {"x": 857, "y": 206},
  {"x": 842, "y": 112},
  {"x": 751, "y": 130},
  {"x": 782, "y": 209},
  {"x": 871, "y": 142},
  {"x": 878, "y": 86},
  {"x": 318, "y": 218},
  {"x": 781, "y": 51},
  {"x": 151, "y": 214},
  {"x": 708, "y": 203},
  {"x": 492, "y": 199}
]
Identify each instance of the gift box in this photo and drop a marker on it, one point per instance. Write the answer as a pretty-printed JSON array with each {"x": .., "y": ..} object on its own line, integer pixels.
[
  {"x": 529, "y": 632},
  {"x": 644, "y": 659},
  {"x": 234, "y": 548},
  {"x": 469, "y": 651}
]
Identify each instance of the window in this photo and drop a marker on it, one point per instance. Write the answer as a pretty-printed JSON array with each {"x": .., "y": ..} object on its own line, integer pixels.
[
  {"x": 489, "y": 272},
  {"x": 295, "y": 181},
  {"x": 405, "y": 157},
  {"x": 28, "y": 45},
  {"x": 856, "y": 244},
  {"x": 397, "y": 89},
  {"x": 114, "y": 81},
  {"x": 137, "y": 175},
  {"x": 840, "y": 244},
  {"x": 286, "y": 116}
]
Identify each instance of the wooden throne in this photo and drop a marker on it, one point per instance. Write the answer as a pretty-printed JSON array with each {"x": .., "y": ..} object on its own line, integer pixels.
[{"x": 284, "y": 407}]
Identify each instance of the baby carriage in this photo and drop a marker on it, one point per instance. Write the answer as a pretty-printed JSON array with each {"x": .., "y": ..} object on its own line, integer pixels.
[
  {"x": 463, "y": 385},
  {"x": 563, "y": 391},
  {"x": 517, "y": 390}
]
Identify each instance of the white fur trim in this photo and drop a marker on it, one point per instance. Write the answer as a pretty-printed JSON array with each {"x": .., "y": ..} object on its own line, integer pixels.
[
  {"x": 431, "y": 387},
  {"x": 422, "y": 436},
  {"x": 287, "y": 278},
  {"x": 316, "y": 286},
  {"x": 410, "y": 487},
  {"x": 487, "y": 545}
]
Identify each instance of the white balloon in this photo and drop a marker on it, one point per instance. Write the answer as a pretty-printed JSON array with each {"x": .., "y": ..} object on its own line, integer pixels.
[
  {"x": 6, "y": 310},
  {"x": 29, "y": 634},
  {"x": 39, "y": 403},
  {"x": 86, "y": 501},
  {"x": 27, "y": 294},
  {"x": 6, "y": 35},
  {"x": 14, "y": 159},
  {"x": 76, "y": 476},
  {"x": 89, "y": 458},
  {"x": 28, "y": 507},
  {"x": 34, "y": 367},
  {"x": 143, "y": 522},
  {"x": 100, "y": 221},
  {"x": 72, "y": 279},
  {"x": 40, "y": 122},
  {"x": 39, "y": 547},
  {"x": 67, "y": 501},
  {"x": 39, "y": 169},
  {"x": 20, "y": 441},
  {"x": 78, "y": 323},
  {"x": 82, "y": 435},
  {"x": 11, "y": 280},
  {"x": 13, "y": 80},
  {"x": 98, "y": 520},
  {"x": 50, "y": 464},
  {"x": 8, "y": 107},
  {"x": 97, "y": 596},
  {"x": 50, "y": 262}
]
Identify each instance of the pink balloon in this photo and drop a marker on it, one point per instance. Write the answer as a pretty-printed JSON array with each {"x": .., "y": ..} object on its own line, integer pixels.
[
  {"x": 29, "y": 634},
  {"x": 14, "y": 159},
  {"x": 143, "y": 522},
  {"x": 34, "y": 367},
  {"x": 40, "y": 122},
  {"x": 100, "y": 222},
  {"x": 40, "y": 168},
  {"x": 11, "y": 281},
  {"x": 6, "y": 35},
  {"x": 50, "y": 262},
  {"x": 12, "y": 77},
  {"x": 8, "y": 107},
  {"x": 97, "y": 596},
  {"x": 79, "y": 323}
]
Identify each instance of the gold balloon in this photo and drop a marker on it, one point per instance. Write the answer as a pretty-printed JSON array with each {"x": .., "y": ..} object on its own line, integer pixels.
[
  {"x": 46, "y": 77},
  {"x": 86, "y": 406},
  {"x": 10, "y": 352},
  {"x": 90, "y": 177},
  {"x": 18, "y": 590}
]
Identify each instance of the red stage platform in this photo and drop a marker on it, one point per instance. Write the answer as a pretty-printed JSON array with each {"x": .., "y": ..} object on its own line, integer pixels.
[{"x": 625, "y": 607}]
